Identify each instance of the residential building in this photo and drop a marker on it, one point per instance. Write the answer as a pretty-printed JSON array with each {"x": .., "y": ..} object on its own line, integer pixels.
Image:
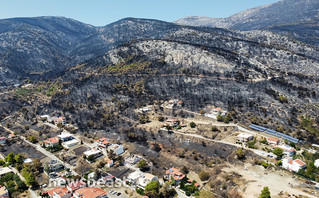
[
  {"x": 110, "y": 163},
  {"x": 64, "y": 136},
  {"x": 59, "y": 192},
  {"x": 93, "y": 153},
  {"x": 141, "y": 179},
  {"x": 11, "y": 136},
  {"x": 70, "y": 143},
  {"x": 173, "y": 122},
  {"x": 4, "y": 171},
  {"x": 4, "y": 193},
  {"x": 293, "y": 165},
  {"x": 243, "y": 137},
  {"x": 317, "y": 163},
  {"x": 273, "y": 141},
  {"x": 288, "y": 150},
  {"x": 117, "y": 149},
  {"x": 133, "y": 159},
  {"x": 60, "y": 120},
  {"x": 51, "y": 141},
  {"x": 55, "y": 165},
  {"x": 90, "y": 192},
  {"x": 3, "y": 140},
  {"x": 174, "y": 173},
  {"x": 73, "y": 186},
  {"x": 103, "y": 142}
]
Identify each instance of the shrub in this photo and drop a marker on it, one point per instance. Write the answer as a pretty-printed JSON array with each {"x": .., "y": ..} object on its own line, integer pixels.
[
  {"x": 204, "y": 176},
  {"x": 192, "y": 124}
]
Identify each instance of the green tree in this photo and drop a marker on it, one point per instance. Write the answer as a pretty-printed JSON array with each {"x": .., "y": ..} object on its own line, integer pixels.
[
  {"x": 152, "y": 189},
  {"x": 33, "y": 139},
  {"x": 192, "y": 124},
  {"x": 19, "y": 158},
  {"x": 10, "y": 158},
  {"x": 265, "y": 193},
  {"x": 142, "y": 165},
  {"x": 279, "y": 152},
  {"x": 202, "y": 112}
]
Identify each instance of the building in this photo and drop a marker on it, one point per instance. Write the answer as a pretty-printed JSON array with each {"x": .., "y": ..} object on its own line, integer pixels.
[
  {"x": 317, "y": 163},
  {"x": 243, "y": 137},
  {"x": 90, "y": 192},
  {"x": 3, "y": 140},
  {"x": 173, "y": 122},
  {"x": 55, "y": 165},
  {"x": 117, "y": 149},
  {"x": 51, "y": 141},
  {"x": 174, "y": 173},
  {"x": 64, "y": 136},
  {"x": 133, "y": 159},
  {"x": 293, "y": 165},
  {"x": 288, "y": 150},
  {"x": 4, "y": 192},
  {"x": 60, "y": 120},
  {"x": 27, "y": 161},
  {"x": 59, "y": 192},
  {"x": 4, "y": 171},
  {"x": 273, "y": 141},
  {"x": 141, "y": 179},
  {"x": 103, "y": 142},
  {"x": 70, "y": 143},
  {"x": 93, "y": 153},
  {"x": 11, "y": 136},
  {"x": 73, "y": 186},
  {"x": 110, "y": 163}
]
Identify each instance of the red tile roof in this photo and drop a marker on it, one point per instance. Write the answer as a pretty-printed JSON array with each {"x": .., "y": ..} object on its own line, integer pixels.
[
  {"x": 61, "y": 191},
  {"x": 301, "y": 163},
  {"x": 89, "y": 192},
  {"x": 76, "y": 185},
  {"x": 53, "y": 140}
]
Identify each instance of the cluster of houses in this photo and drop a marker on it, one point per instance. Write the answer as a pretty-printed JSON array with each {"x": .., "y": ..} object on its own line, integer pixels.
[
  {"x": 101, "y": 144},
  {"x": 54, "y": 119},
  {"x": 76, "y": 189},
  {"x": 173, "y": 103},
  {"x": 67, "y": 140}
]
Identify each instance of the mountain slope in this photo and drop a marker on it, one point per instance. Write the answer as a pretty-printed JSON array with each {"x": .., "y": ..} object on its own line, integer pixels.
[{"x": 274, "y": 17}]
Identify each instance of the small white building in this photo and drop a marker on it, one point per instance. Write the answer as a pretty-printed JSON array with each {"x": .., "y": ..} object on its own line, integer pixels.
[
  {"x": 273, "y": 141},
  {"x": 317, "y": 163},
  {"x": 117, "y": 149},
  {"x": 70, "y": 143},
  {"x": 243, "y": 137},
  {"x": 288, "y": 150},
  {"x": 4, "y": 193},
  {"x": 293, "y": 165},
  {"x": 65, "y": 136},
  {"x": 93, "y": 153},
  {"x": 55, "y": 165},
  {"x": 141, "y": 179},
  {"x": 4, "y": 171}
]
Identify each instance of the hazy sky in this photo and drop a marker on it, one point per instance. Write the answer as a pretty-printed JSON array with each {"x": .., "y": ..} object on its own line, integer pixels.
[{"x": 102, "y": 12}]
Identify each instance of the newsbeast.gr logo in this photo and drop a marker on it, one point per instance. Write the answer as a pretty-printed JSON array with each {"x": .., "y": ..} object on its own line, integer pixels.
[{"x": 100, "y": 183}]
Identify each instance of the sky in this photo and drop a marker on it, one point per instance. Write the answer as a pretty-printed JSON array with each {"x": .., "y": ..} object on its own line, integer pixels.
[{"x": 103, "y": 12}]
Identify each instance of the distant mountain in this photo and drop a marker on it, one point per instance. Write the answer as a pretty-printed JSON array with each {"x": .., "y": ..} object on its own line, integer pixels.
[
  {"x": 38, "y": 46},
  {"x": 291, "y": 14}
]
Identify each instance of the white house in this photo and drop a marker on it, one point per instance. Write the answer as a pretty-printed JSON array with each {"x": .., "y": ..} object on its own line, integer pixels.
[
  {"x": 293, "y": 165},
  {"x": 93, "y": 153},
  {"x": 141, "y": 179},
  {"x": 64, "y": 136},
  {"x": 288, "y": 150},
  {"x": 117, "y": 149},
  {"x": 70, "y": 143},
  {"x": 4, "y": 171},
  {"x": 55, "y": 165},
  {"x": 243, "y": 137},
  {"x": 317, "y": 163}
]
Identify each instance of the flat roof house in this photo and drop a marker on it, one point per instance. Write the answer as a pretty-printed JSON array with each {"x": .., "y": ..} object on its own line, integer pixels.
[
  {"x": 273, "y": 141},
  {"x": 243, "y": 137},
  {"x": 288, "y": 150},
  {"x": 117, "y": 149},
  {"x": 4, "y": 193}
]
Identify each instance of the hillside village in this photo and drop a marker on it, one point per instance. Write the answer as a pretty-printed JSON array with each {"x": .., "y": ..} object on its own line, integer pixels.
[{"x": 65, "y": 163}]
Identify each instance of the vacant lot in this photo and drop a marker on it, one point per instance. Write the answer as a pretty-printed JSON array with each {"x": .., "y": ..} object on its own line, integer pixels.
[{"x": 19, "y": 146}]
